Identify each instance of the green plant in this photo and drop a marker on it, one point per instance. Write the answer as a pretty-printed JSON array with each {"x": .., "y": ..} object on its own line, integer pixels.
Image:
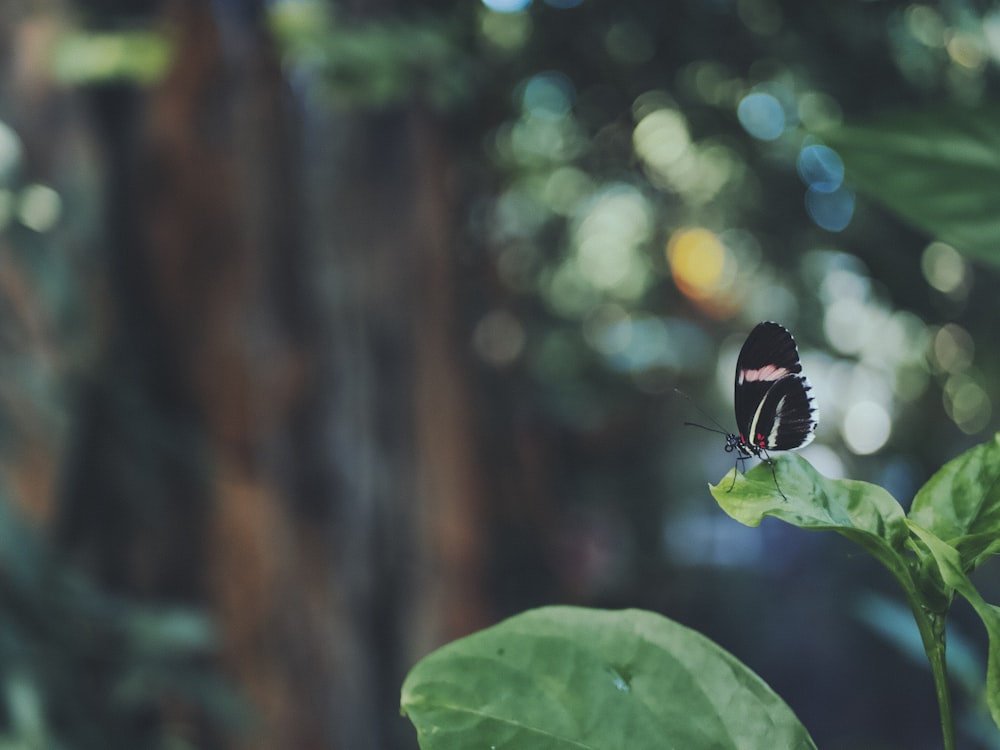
[
  {"x": 575, "y": 678},
  {"x": 953, "y": 526}
]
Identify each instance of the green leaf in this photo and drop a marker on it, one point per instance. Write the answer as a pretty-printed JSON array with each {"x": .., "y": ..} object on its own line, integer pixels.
[
  {"x": 961, "y": 504},
  {"x": 862, "y": 512},
  {"x": 937, "y": 168},
  {"x": 565, "y": 677},
  {"x": 950, "y": 565},
  {"x": 139, "y": 56}
]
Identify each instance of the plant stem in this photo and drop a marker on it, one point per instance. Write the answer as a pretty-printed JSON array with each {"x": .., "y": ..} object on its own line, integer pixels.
[
  {"x": 940, "y": 670},
  {"x": 932, "y": 633}
]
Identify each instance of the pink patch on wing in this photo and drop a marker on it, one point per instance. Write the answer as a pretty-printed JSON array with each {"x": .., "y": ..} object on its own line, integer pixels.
[{"x": 767, "y": 374}]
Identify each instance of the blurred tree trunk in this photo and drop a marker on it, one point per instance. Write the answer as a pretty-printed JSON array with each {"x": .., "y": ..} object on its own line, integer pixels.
[{"x": 282, "y": 284}]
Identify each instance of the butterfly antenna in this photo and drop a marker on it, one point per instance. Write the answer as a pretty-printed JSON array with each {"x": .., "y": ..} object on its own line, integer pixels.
[
  {"x": 718, "y": 427},
  {"x": 710, "y": 429}
]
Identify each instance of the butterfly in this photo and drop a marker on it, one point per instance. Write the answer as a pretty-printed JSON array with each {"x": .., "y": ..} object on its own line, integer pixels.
[{"x": 775, "y": 409}]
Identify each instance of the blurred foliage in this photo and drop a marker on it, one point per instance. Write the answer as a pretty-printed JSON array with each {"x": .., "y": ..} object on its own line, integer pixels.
[
  {"x": 383, "y": 64},
  {"x": 636, "y": 184},
  {"x": 81, "y": 666},
  {"x": 137, "y": 56},
  {"x": 936, "y": 168},
  {"x": 645, "y": 182}
]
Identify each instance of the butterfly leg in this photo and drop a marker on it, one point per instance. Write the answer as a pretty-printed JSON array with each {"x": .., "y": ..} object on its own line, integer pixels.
[
  {"x": 770, "y": 462},
  {"x": 739, "y": 459}
]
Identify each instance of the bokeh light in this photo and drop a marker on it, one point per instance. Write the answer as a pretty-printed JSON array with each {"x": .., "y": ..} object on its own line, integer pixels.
[
  {"x": 565, "y": 188},
  {"x": 499, "y": 338},
  {"x": 847, "y": 323},
  {"x": 507, "y": 6},
  {"x": 820, "y": 168},
  {"x": 10, "y": 152},
  {"x": 762, "y": 116},
  {"x": 548, "y": 95},
  {"x": 607, "y": 328},
  {"x": 567, "y": 291},
  {"x": 711, "y": 82},
  {"x": 817, "y": 111},
  {"x": 825, "y": 460},
  {"x": 39, "y": 207},
  {"x": 831, "y": 211},
  {"x": 505, "y": 31},
  {"x": 866, "y": 427},
  {"x": 609, "y": 235},
  {"x": 661, "y": 138},
  {"x": 536, "y": 140},
  {"x": 517, "y": 214},
  {"x": 991, "y": 33},
  {"x": 944, "y": 269},
  {"x": 966, "y": 49},
  {"x": 698, "y": 262},
  {"x": 952, "y": 348},
  {"x": 925, "y": 24},
  {"x": 672, "y": 161},
  {"x": 638, "y": 343},
  {"x": 967, "y": 403}
]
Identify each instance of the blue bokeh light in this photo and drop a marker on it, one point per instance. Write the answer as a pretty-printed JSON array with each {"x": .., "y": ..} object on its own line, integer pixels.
[
  {"x": 821, "y": 168},
  {"x": 833, "y": 210},
  {"x": 548, "y": 95},
  {"x": 762, "y": 116},
  {"x": 507, "y": 6}
]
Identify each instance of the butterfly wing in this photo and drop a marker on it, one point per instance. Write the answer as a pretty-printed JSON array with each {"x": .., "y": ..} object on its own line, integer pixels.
[
  {"x": 786, "y": 417},
  {"x": 772, "y": 397}
]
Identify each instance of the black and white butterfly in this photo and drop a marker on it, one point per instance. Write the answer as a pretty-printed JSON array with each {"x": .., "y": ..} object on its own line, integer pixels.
[{"x": 775, "y": 410}]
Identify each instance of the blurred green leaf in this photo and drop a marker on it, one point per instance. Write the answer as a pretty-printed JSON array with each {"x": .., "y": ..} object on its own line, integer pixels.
[
  {"x": 565, "y": 677},
  {"x": 140, "y": 56},
  {"x": 961, "y": 504},
  {"x": 374, "y": 64},
  {"x": 23, "y": 705},
  {"x": 173, "y": 630},
  {"x": 937, "y": 168}
]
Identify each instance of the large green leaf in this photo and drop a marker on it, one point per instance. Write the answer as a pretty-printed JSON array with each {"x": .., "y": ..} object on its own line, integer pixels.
[
  {"x": 938, "y": 169},
  {"x": 950, "y": 566},
  {"x": 961, "y": 504},
  {"x": 864, "y": 513},
  {"x": 565, "y": 677}
]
